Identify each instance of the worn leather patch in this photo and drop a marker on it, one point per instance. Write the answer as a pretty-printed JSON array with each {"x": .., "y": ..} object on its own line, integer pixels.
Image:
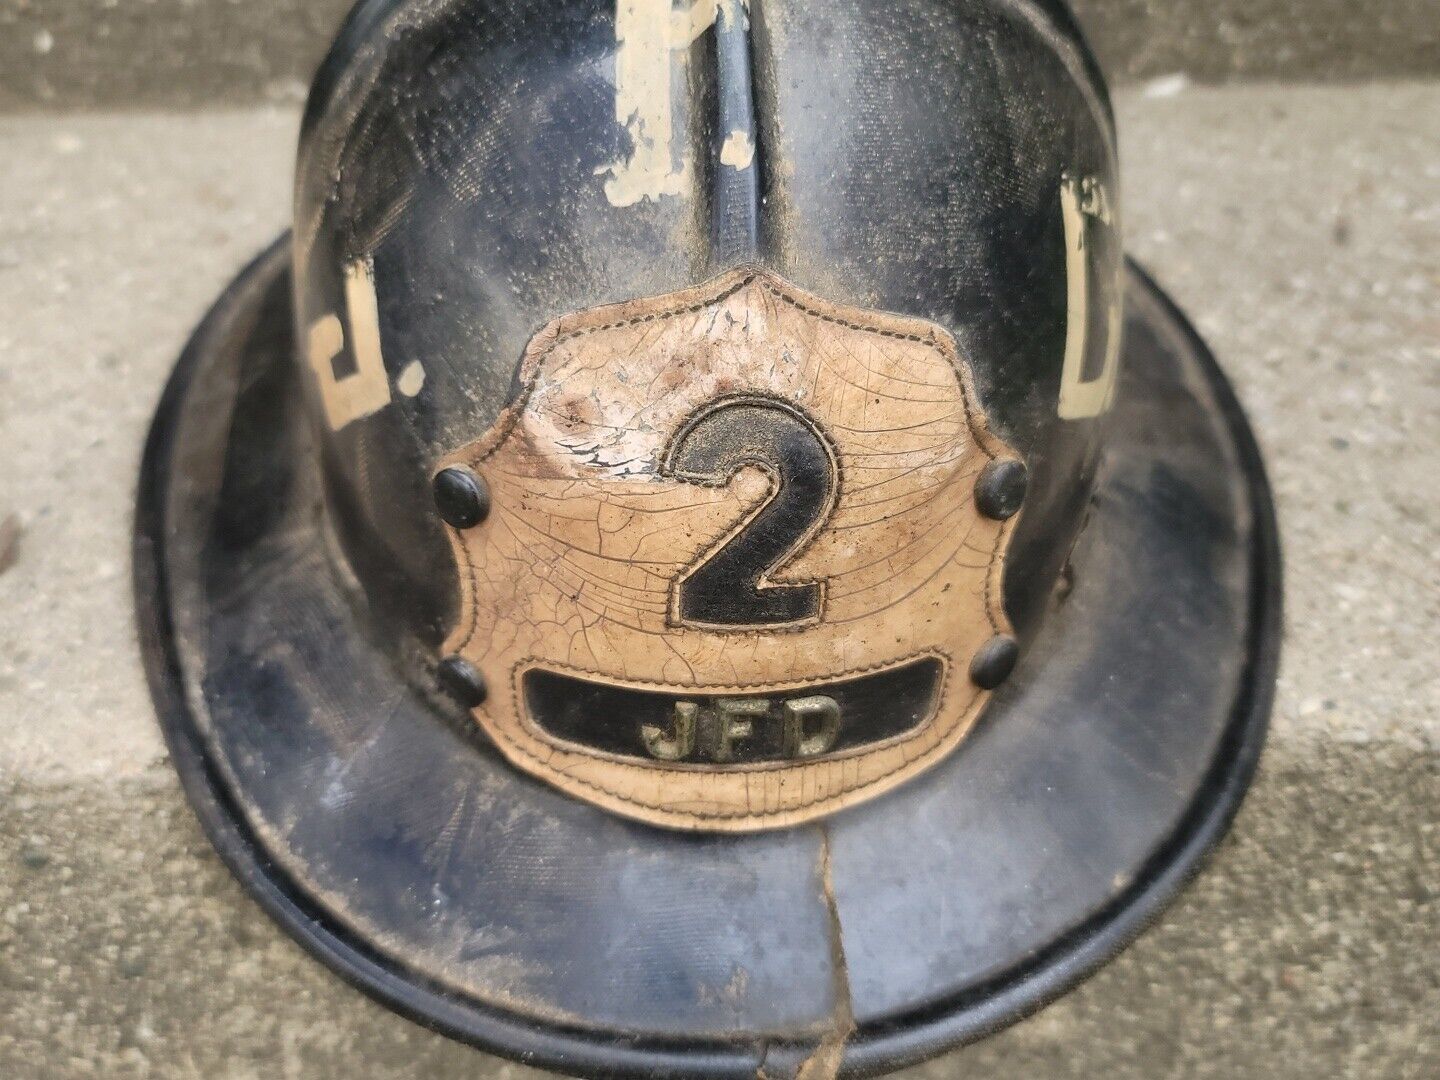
[{"x": 744, "y": 515}]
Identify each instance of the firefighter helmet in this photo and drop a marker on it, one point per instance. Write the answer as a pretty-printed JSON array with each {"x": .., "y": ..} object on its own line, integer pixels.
[{"x": 698, "y": 555}]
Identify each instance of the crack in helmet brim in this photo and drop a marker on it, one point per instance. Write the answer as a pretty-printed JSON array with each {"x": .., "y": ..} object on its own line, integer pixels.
[{"x": 376, "y": 825}]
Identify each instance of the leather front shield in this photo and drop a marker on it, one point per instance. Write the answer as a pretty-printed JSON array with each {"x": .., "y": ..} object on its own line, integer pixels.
[{"x": 733, "y": 574}]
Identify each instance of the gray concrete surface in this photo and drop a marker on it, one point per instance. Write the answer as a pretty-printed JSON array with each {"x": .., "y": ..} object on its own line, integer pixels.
[
  {"x": 128, "y": 53},
  {"x": 1298, "y": 226}
]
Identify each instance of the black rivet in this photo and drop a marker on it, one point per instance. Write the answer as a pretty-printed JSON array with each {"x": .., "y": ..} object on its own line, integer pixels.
[
  {"x": 994, "y": 661},
  {"x": 461, "y": 497},
  {"x": 461, "y": 681},
  {"x": 1001, "y": 488}
]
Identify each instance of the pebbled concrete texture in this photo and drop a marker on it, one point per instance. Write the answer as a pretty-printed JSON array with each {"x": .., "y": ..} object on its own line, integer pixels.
[
  {"x": 127, "y": 950},
  {"x": 1298, "y": 227},
  {"x": 129, "y": 53}
]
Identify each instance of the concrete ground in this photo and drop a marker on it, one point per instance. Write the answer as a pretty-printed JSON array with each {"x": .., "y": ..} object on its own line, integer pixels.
[
  {"x": 60, "y": 54},
  {"x": 1299, "y": 226}
]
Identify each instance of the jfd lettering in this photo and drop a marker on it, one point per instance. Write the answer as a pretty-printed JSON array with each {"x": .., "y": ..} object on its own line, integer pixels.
[{"x": 719, "y": 730}]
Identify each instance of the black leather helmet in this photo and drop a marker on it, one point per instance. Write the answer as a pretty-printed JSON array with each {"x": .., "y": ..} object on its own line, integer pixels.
[{"x": 698, "y": 556}]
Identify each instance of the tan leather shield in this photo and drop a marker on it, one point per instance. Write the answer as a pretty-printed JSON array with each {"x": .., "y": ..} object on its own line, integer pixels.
[{"x": 733, "y": 575}]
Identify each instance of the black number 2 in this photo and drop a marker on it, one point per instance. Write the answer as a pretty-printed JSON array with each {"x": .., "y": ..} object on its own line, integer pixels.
[{"x": 730, "y": 587}]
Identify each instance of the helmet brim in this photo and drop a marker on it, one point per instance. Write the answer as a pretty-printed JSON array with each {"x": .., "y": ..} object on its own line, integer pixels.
[{"x": 378, "y": 828}]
